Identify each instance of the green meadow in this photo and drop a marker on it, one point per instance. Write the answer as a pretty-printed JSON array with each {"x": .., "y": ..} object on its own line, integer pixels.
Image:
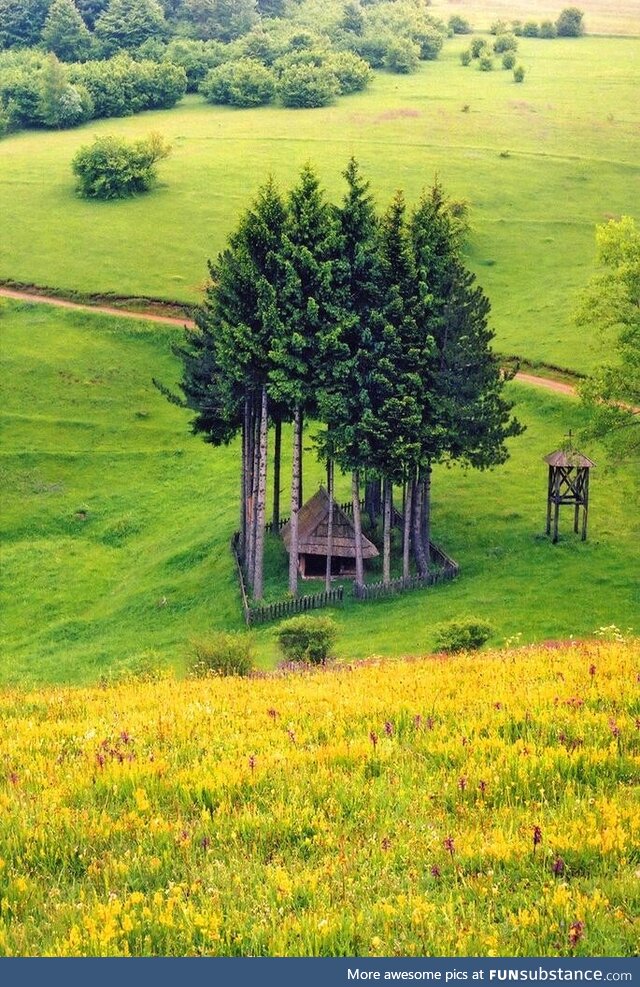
[
  {"x": 116, "y": 522},
  {"x": 540, "y": 163}
]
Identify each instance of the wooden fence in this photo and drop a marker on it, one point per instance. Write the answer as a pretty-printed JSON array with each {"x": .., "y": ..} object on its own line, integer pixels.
[
  {"x": 282, "y": 608},
  {"x": 447, "y": 569}
]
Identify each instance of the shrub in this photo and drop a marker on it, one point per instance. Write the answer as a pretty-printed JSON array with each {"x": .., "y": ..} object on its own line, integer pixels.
[
  {"x": 308, "y": 639},
  {"x": 307, "y": 86},
  {"x": 518, "y": 74},
  {"x": 458, "y": 25},
  {"x": 220, "y": 654},
  {"x": 111, "y": 168},
  {"x": 505, "y": 42},
  {"x": 508, "y": 60},
  {"x": 463, "y": 634},
  {"x": 402, "y": 56},
  {"x": 548, "y": 29},
  {"x": 569, "y": 23},
  {"x": 465, "y": 56},
  {"x": 351, "y": 71},
  {"x": 242, "y": 83},
  {"x": 531, "y": 29},
  {"x": 477, "y": 46},
  {"x": 516, "y": 27},
  {"x": 486, "y": 63},
  {"x": 498, "y": 27}
]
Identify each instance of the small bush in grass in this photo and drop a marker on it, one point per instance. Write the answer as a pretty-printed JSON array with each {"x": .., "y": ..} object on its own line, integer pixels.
[
  {"x": 548, "y": 29},
  {"x": 531, "y": 29},
  {"x": 465, "y": 56},
  {"x": 464, "y": 634},
  {"x": 508, "y": 60},
  {"x": 486, "y": 63},
  {"x": 307, "y": 639},
  {"x": 505, "y": 42},
  {"x": 243, "y": 83},
  {"x": 112, "y": 168},
  {"x": 477, "y": 46},
  {"x": 459, "y": 25},
  {"x": 220, "y": 654},
  {"x": 518, "y": 74}
]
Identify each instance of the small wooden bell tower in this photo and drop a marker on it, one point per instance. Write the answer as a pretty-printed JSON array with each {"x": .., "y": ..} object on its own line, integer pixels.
[{"x": 568, "y": 484}]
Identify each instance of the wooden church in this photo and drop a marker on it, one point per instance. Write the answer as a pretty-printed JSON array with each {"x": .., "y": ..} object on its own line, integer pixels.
[{"x": 313, "y": 534}]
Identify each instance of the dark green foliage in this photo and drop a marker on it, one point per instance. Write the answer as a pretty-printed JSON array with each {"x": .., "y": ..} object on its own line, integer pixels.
[
  {"x": 465, "y": 57},
  {"x": 547, "y": 30},
  {"x": 508, "y": 60},
  {"x": 505, "y": 42},
  {"x": 307, "y": 639},
  {"x": 243, "y": 83},
  {"x": 352, "y": 18},
  {"x": 221, "y": 20},
  {"x": 111, "y": 168},
  {"x": 65, "y": 33},
  {"x": 531, "y": 29},
  {"x": 61, "y": 104},
  {"x": 220, "y": 654},
  {"x": 569, "y": 23},
  {"x": 305, "y": 86},
  {"x": 196, "y": 58},
  {"x": 518, "y": 74},
  {"x": 126, "y": 24},
  {"x": 35, "y": 91},
  {"x": 464, "y": 634},
  {"x": 21, "y": 22},
  {"x": 458, "y": 25},
  {"x": 402, "y": 56},
  {"x": 485, "y": 63},
  {"x": 90, "y": 10}
]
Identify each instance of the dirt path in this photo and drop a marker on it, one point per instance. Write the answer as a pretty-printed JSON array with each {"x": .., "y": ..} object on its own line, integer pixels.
[{"x": 24, "y": 296}]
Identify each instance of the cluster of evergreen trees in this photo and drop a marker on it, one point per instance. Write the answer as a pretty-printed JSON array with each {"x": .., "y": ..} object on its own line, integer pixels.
[{"x": 368, "y": 324}]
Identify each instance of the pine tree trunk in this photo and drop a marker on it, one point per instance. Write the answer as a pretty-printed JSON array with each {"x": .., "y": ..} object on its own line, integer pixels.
[
  {"x": 386, "y": 534},
  {"x": 418, "y": 546},
  {"x": 372, "y": 499},
  {"x": 426, "y": 516},
  {"x": 248, "y": 479},
  {"x": 277, "y": 454},
  {"x": 300, "y": 460},
  {"x": 327, "y": 579},
  {"x": 357, "y": 526},
  {"x": 243, "y": 486},
  {"x": 261, "y": 502},
  {"x": 406, "y": 538},
  {"x": 295, "y": 505},
  {"x": 255, "y": 479}
]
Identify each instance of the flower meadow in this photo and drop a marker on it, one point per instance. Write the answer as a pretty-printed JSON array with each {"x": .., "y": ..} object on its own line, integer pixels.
[{"x": 479, "y": 804}]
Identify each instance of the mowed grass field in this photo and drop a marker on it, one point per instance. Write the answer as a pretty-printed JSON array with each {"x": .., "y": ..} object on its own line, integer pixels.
[
  {"x": 609, "y": 17},
  {"x": 540, "y": 164},
  {"x": 116, "y": 522}
]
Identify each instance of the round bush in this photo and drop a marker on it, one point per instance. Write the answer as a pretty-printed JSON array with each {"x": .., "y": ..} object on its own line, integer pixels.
[
  {"x": 306, "y": 86},
  {"x": 459, "y": 25},
  {"x": 308, "y": 639},
  {"x": 518, "y": 74},
  {"x": 505, "y": 42},
  {"x": 351, "y": 71},
  {"x": 464, "y": 634},
  {"x": 112, "y": 168},
  {"x": 548, "y": 29},
  {"x": 402, "y": 56},
  {"x": 531, "y": 29},
  {"x": 486, "y": 63},
  {"x": 508, "y": 60},
  {"x": 243, "y": 83},
  {"x": 220, "y": 654},
  {"x": 477, "y": 46},
  {"x": 465, "y": 56}
]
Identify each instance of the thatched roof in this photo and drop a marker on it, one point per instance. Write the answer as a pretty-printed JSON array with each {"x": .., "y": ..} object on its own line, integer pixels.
[
  {"x": 568, "y": 458},
  {"x": 313, "y": 526}
]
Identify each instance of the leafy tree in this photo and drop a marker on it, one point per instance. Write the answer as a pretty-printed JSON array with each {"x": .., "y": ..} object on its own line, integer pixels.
[
  {"x": 305, "y": 86},
  {"x": 518, "y": 73},
  {"x": 508, "y": 60},
  {"x": 196, "y": 58},
  {"x": 351, "y": 71},
  {"x": 610, "y": 311},
  {"x": 569, "y": 23},
  {"x": 242, "y": 83},
  {"x": 547, "y": 29},
  {"x": 352, "y": 18},
  {"x": 505, "y": 42},
  {"x": 21, "y": 22},
  {"x": 61, "y": 104},
  {"x": 90, "y": 11},
  {"x": 402, "y": 56},
  {"x": 458, "y": 25},
  {"x": 127, "y": 24},
  {"x": 120, "y": 85},
  {"x": 111, "y": 168},
  {"x": 221, "y": 20},
  {"x": 65, "y": 33},
  {"x": 531, "y": 29}
]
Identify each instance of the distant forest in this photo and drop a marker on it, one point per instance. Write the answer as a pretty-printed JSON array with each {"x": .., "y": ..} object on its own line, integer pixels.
[{"x": 63, "y": 62}]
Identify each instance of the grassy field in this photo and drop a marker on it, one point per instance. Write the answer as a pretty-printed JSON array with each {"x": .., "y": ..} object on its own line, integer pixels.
[
  {"x": 540, "y": 164},
  {"x": 448, "y": 807},
  {"x": 116, "y": 522},
  {"x": 609, "y": 17}
]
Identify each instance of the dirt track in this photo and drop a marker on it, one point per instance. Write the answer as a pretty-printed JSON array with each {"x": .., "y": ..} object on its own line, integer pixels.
[{"x": 25, "y": 296}]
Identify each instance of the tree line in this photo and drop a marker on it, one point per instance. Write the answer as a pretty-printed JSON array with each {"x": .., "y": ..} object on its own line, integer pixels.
[{"x": 367, "y": 324}]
